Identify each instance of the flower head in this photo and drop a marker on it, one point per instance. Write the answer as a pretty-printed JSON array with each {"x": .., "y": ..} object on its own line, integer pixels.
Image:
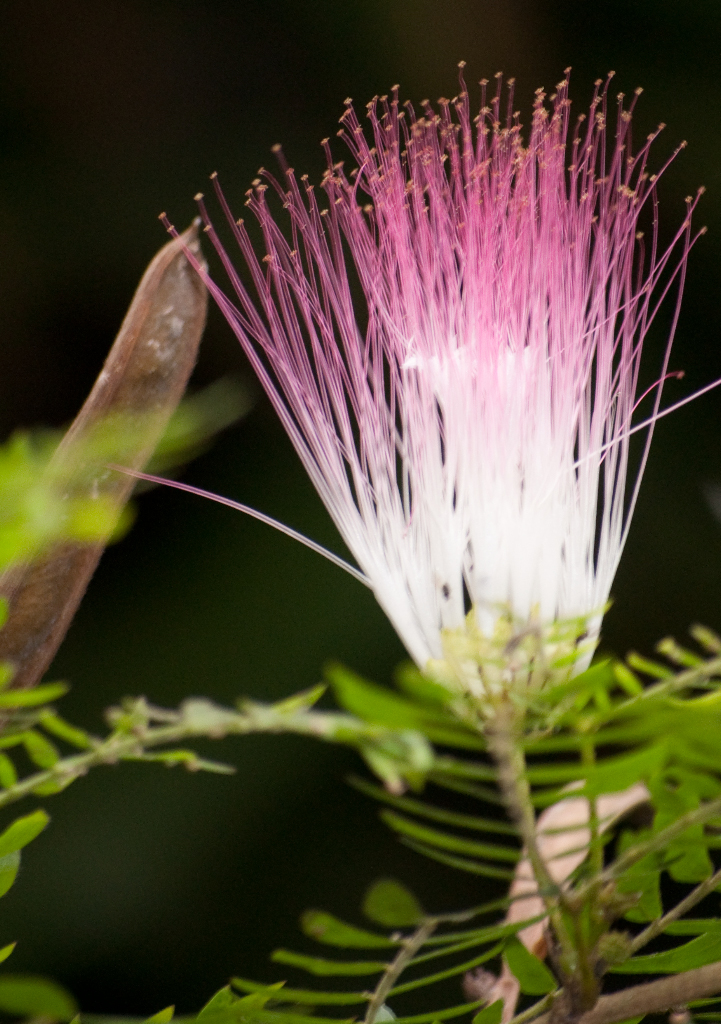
[{"x": 452, "y": 338}]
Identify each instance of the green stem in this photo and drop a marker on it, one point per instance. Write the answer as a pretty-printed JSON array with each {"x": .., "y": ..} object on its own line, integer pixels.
[
  {"x": 681, "y": 681},
  {"x": 658, "y": 842},
  {"x": 505, "y": 746},
  {"x": 536, "y": 1010},
  {"x": 659, "y": 926},
  {"x": 196, "y": 718},
  {"x": 409, "y": 948},
  {"x": 653, "y": 997}
]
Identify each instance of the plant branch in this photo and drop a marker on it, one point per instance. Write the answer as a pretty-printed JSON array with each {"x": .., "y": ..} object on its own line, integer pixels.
[
  {"x": 533, "y": 1012},
  {"x": 139, "y": 727},
  {"x": 659, "y": 926},
  {"x": 680, "y": 681},
  {"x": 654, "y": 997},
  {"x": 697, "y": 816},
  {"x": 409, "y": 948},
  {"x": 504, "y": 744}
]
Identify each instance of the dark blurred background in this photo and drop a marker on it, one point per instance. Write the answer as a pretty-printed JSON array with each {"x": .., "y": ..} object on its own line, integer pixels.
[{"x": 152, "y": 886}]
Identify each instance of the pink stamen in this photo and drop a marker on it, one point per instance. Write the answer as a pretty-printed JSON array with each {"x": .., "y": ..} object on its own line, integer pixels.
[{"x": 468, "y": 426}]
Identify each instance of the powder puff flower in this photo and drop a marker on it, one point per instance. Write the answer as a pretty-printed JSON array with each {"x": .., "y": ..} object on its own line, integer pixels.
[{"x": 452, "y": 339}]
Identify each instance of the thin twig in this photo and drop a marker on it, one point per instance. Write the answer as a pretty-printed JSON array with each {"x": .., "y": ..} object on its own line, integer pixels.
[
  {"x": 659, "y": 926},
  {"x": 505, "y": 747},
  {"x": 657, "y": 842},
  {"x": 655, "y": 997},
  {"x": 196, "y": 718},
  {"x": 409, "y": 948},
  {"x": 534, "y": 1011}
]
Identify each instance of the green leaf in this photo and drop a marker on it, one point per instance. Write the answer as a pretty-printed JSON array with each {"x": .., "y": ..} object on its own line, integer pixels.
[
  {"x": 693, "y": 926},
  {"x": 53, "y": 786},
  {"x": 9, "y": 867},
  {"x": 609, "y": 776},
  {"x": 390, "y": 904},
  {"x": 6, "y": 951},
  {"x": 476, "y": 936},
  {"x": 64, "y": 731},
  {"x": 162, "y": 1016},
  {"x": 454, "y": 766},
  {"x": 8, "y": 775},
  {"x": 302, "y": 701},
  {"x": 40, "y": 751},
  {"x": 474, "y": 867},
  {"x": 416, "y": 685},
  {"x": 685, "y": 858},
  {"x": 447, "y": 781},
  {"x": 490, "y": 1014},
  {"x": 300, "y": 995},
  {"x": 434, "y": 837},
  {"x": 333, "y": 932},
  {"x": 7, "y": 671},
  {"x": 642, "y": 878},
  {"x": 222, "y": 999},
  {"x": 581, "y": 686},
  {"x": 432, "y": 979},
  {"x": 380, "y": 706},
  {"x": 171, "y": 758},
  {"x": 325, "y": 968},
  {"x": 428, "y": 1018},
  {"x": 22, "y": 831},
  {"x": 237, "y": 1014},
  {"x": 696, "y": 953},
  {"x": 26, "y": 995},
  {"x": 533, "y": 976},
  {"x": 31, "y": 698},
  {"x": 424, "y": 810}
]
